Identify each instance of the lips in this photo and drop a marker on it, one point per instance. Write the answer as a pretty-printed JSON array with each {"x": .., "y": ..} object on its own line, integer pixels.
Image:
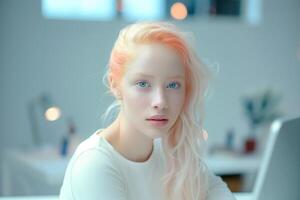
[
  {"x": 158, "y": 118},
  {"x": 158, "y": 121}
]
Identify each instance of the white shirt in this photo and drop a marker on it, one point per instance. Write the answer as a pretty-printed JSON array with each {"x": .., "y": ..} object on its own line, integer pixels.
[{"x": 97, "y": 171}]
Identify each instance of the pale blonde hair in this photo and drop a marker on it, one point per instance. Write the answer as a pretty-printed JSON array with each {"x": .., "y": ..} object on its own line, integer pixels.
[{"x": 183, "y": 147}]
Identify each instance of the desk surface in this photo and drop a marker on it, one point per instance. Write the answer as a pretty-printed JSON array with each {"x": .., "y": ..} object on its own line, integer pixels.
[
  {"x": 52, "y": 166},
  {"x": 227, "y": 164},
  {"x": 48, "y": 167}
]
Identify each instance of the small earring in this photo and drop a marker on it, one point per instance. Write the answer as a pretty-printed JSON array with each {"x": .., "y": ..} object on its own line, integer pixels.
[{"x": 204, "y": 134}]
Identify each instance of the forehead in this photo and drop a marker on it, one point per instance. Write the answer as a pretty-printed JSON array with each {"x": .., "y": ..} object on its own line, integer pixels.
[{"x": 156, "y": 60}]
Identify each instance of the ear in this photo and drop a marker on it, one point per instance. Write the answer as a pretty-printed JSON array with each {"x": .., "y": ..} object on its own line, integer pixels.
[{"x": 115, "y": 88}]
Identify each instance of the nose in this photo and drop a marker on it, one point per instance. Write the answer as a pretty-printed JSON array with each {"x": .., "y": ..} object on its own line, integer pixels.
[{"x": 159, "y": 101}]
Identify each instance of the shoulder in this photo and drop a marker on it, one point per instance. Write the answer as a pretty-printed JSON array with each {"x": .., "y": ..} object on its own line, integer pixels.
[
  {"x": 92, "y": 149},
  {"x": 94, "y": 173},
  {"x": 94, "y": 163},
  {"x": 93, "y": 157}
]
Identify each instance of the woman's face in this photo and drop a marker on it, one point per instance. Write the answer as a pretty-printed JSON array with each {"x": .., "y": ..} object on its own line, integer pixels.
[{"x": 154, "y": 84}]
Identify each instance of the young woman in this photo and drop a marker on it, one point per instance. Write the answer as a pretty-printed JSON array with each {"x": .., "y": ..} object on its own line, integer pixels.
[{"x": 153, "y": 149}]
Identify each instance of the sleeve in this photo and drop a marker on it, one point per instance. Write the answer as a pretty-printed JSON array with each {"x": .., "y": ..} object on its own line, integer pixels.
[
  {"x": 217, "y": 189},
  {"x": 94, "y": 177}
]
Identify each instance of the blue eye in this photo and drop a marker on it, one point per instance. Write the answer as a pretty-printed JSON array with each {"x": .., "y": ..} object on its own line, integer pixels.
[
  {"x": 174, "y": 85},
  {"x": 143, "y": 84}
]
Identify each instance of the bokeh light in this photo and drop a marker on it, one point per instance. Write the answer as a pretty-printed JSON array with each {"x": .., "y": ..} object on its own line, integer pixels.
[
  {"x": 178, "y": 11},
  {"x": 52, "y": 113}
]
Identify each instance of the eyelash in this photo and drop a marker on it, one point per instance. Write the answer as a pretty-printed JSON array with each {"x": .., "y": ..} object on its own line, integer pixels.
[{"x": 179, "y": 85}]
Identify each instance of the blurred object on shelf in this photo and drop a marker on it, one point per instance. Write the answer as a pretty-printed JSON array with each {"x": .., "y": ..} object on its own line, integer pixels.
[
  {"x": 260, "y": 109},
  {"x": 71, "y": 140},
  {"x": 229, "y": 140},
  {"x": 249, "y": 145}
]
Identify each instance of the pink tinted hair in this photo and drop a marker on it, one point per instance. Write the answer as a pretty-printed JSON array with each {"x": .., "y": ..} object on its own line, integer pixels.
[{"x": 183, "y": 147}]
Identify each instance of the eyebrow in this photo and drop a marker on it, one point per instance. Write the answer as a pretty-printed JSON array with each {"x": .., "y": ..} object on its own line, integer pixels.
[{"x": 148, "y": 75}]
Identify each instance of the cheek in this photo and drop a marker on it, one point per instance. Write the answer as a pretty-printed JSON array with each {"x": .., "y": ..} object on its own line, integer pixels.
[
  {"x": 136, "y": 101},
  {"x": 180, "y": 103},
  {"x": 177, "y": 99}
]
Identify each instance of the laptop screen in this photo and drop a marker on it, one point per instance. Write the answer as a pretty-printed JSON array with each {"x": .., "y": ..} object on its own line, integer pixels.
[{"x": 279, "y": 175}]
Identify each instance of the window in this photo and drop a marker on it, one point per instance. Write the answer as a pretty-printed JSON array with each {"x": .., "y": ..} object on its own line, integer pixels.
[{"x": 79, "y": 9}]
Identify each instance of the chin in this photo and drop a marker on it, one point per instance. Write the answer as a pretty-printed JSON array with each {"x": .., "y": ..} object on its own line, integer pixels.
[{"x": 154, "y": 134}]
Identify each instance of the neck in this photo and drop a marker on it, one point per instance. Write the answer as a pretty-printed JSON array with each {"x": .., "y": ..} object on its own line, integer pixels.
[{"x": 128, "y": 141}]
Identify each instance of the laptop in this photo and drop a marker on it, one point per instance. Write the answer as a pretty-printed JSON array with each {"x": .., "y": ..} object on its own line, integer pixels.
[{"x": 279, "y": 175}]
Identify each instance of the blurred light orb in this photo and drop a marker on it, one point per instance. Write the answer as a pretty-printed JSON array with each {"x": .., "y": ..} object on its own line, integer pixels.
[
  {"x": 178, "y": 11},
  {"x": 53, "y": 113}
]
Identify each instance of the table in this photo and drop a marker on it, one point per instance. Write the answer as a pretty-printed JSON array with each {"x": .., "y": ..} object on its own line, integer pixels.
[
  {"x": 41, "y": 172},
  {"x": 223, "y": 164},
  {"x": 35, "y": 172}
]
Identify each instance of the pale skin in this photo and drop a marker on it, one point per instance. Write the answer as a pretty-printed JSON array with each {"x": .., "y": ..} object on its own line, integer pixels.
[{"x": 162, "y": 91}]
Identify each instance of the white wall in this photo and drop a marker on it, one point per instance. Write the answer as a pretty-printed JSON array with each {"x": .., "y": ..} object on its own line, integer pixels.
[{"x": 68, "y": 59}]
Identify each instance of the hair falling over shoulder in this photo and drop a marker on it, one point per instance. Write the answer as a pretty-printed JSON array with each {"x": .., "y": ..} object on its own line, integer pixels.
[{"x": 185, "y": 177}]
